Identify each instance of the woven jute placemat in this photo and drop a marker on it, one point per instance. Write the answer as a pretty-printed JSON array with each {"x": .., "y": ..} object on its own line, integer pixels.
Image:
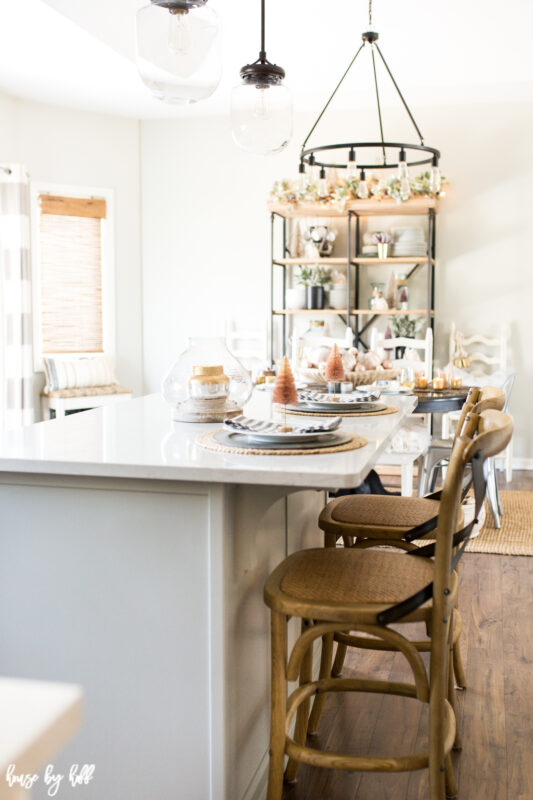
[
  {"x": 208, "y": 442},
  {"x": 339, "y": 413}
]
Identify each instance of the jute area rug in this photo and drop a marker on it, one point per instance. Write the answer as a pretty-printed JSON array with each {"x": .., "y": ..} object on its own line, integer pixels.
[{"x": 515, "y": 538}]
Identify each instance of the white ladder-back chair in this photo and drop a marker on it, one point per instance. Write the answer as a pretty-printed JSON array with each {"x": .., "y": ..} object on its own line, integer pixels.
[
  {"x": 481, "y": 361},
  {"x": 424, "y": 347},
  {"x": 421, "y": 442},
  {"x": 487, "y": 354},
  {"x": 320, "y": 341}
]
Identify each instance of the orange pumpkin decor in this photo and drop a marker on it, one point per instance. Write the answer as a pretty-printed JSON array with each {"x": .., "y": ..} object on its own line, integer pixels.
[
  {"x": 285, "y": 389},
  {"x": 334, "y": 367}
]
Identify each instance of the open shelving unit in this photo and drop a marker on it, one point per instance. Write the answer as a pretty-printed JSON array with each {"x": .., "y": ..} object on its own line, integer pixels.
[{"x": 359, "y": 319}]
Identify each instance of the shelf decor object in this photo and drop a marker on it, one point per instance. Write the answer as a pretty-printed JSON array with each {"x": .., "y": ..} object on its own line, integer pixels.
[
  {"x": 179, "y": 54},
  {"x": 357, "y": 157},
  {"x": 261, "y": 106},
  {"x": 285, "y": 392},
  {"x": 207, "y": 383},
  {"x": 334, "y": 371}
]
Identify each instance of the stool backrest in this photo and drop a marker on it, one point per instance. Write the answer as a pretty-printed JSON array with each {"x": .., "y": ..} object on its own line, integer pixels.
[
  {"x": 481, "y": 399},
  {"x": 482, "y": 435}
]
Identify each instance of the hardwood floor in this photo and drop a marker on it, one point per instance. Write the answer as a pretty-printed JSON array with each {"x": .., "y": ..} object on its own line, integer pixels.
[{"x": 495, "y": 713}]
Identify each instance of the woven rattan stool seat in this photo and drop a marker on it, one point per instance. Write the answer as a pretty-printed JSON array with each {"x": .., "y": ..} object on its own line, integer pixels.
[
  {"x": 346, "y": 576},
  {"x": 384, "y": 510}
]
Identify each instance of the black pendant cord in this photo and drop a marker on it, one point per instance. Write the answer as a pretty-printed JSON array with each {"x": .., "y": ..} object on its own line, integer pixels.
[
  {"x": 402, "y": 98},
  {"x": 331, "y": 97},
  {"x": 262, "y": 54},
  {"x": 377, "y": 96}
]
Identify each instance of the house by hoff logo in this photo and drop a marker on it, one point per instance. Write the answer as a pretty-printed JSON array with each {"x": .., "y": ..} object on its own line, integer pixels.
[{"x": 78, "y": 775}]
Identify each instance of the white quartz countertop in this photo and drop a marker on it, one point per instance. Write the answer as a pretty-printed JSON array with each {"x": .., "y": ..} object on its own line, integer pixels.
[{"x": 136, "y": 439}]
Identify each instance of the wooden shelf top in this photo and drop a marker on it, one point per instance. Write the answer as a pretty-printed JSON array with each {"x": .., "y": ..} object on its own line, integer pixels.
[
  {"x": 296, "y": 262},
  {"x": 356, "y": 312},
  {"x": 367, "y": 208},
  {"x": 341, "y": 262},
  {"x": 393, "y": 260}
]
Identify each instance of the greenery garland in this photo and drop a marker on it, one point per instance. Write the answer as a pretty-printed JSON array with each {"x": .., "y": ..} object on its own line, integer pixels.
[{"x": 286, "y": 191}]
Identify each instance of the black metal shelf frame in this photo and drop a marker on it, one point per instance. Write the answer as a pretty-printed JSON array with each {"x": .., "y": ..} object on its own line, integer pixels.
[{"x": 353, "y": 250}]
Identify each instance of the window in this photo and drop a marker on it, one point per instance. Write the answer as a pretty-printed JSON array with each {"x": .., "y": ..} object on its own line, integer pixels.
[{"x": 73, "y": 275}]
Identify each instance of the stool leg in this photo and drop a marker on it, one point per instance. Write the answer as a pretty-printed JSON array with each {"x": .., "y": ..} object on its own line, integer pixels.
[
  {"x": 497, "y": 490},
  {"x": 451, "y": 785},
  {"x": 491, "y": 494},
  {"x": 407, "y": 480},
  {"x": 302, "y": 715},
  {"x": 338, "y": 664},
  {"x": 278, "y": 708},
  {"x": 325, "y": 672},
  {"x": 458, "y": 669},
  {"x": 457, "y": 745},
  {"x": 421, "y": 479}
]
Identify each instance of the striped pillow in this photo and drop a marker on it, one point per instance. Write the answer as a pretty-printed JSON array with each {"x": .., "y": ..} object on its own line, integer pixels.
[{"x": 78, "y": 373}]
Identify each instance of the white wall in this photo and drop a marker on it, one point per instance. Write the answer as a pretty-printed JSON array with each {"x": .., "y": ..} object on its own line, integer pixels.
[
  {"x": 206, "y": 229},
  {"x": 85, "y": 149}
]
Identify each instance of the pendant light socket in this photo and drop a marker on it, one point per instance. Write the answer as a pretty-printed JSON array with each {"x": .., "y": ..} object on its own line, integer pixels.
[
  {"x": 262, "y": 73},
  {"x": 179, "y": 5}
]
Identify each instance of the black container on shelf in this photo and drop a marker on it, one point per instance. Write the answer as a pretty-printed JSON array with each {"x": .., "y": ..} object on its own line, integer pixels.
[{"x": 316, "y": 297}]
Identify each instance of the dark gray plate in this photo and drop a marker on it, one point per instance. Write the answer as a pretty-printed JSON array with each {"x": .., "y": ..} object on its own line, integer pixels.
[
  {"x": 240, "y": 440},
  {"x": 338, "y": 408}
]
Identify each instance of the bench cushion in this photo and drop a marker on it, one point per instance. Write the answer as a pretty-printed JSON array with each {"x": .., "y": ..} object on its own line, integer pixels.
[{"x": 87, "y": 391}]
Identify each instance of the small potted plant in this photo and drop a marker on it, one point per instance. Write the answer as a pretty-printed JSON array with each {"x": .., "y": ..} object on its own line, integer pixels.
[
  {"x": 296, "y": 298},
  {"x": 405, "y": 327},
  {"x": 315, "y": 280},
  {"x": 383, "y": 241}
]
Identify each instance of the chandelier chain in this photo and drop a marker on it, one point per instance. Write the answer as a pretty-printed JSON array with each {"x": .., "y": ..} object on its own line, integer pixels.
[{"x": 370, "y": 14}]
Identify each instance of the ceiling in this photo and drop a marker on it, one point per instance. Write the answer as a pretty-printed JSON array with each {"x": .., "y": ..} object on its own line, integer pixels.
[{"x": 80, "y": 53}]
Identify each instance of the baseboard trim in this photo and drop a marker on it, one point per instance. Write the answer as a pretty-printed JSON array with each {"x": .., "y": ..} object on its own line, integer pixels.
[{"x": 523, "y": 463}]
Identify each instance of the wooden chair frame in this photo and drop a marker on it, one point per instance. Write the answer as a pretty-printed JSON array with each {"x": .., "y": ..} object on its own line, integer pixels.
[{"x": 327, "y": 618}]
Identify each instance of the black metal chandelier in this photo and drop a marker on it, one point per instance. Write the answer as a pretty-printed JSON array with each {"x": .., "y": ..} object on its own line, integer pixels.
[{"x": 400, "y": 155}]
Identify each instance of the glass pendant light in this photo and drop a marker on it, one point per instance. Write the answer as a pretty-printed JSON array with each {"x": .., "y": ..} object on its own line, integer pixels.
[
  {"x": 179, "y": 55},
  {"x": 322, "y": 188},
  {"x": 403, "y": 175},
  {"x": 435, "y": 180},
  {"x": 261, "y": 106},
  {"x": 362, "y": 188},
  {"x": 351, "y": 167}
]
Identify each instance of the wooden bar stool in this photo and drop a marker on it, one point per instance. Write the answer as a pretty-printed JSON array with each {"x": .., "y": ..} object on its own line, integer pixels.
[
  {"x": 363, "y": 591},
  {"x": 375, "y": 520}
]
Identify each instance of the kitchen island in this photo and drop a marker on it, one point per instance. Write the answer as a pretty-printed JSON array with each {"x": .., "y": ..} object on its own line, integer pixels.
[{"x": 133, "y": 564}]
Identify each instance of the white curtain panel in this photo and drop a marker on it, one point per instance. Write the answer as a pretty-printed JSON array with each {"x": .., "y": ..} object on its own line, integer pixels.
[{"x": 16, "y": 304}]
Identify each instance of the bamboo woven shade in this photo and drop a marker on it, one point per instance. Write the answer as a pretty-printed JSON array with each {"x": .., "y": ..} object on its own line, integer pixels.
[
  {"x": 71, "y": 276},
  {"x": 73, "y": 206}
]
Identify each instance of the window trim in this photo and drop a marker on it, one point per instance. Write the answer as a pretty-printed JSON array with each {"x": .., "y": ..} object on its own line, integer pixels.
[{"x": 108, "y": 266}]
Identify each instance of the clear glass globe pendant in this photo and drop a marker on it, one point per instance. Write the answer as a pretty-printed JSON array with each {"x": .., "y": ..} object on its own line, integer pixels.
[
  {"x": 261, "y": 106},
  {"x": 179, "y": 53}
]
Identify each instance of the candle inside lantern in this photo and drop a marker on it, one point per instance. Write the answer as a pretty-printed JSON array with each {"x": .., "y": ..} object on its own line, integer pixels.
[
  {"x": 421, "y": 381},
  {"x": 438, "y": 382},
  {"x": 208, "y": 383}
]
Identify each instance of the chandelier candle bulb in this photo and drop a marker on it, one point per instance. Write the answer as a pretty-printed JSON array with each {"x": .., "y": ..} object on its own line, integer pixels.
[
  {"x": 362, "y": 189},
  {"x": 435, "y": 180},
  {"x": 322, "y": 184},
  {"x": 351, "y": 167}
]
